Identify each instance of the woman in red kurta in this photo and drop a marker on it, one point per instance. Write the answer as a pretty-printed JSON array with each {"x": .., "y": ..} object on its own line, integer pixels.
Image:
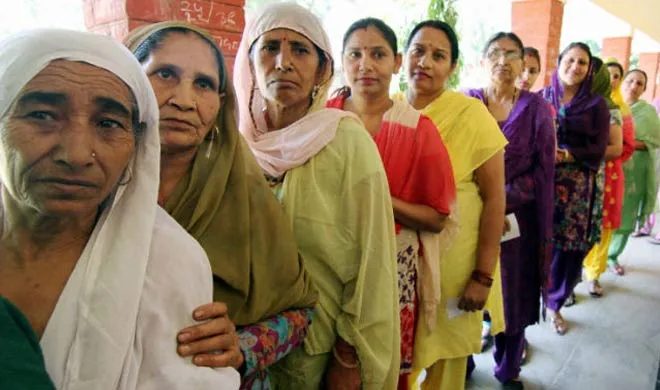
[
  {"x": 418, "y": 170},
  {"x": 614, "y": 183},
  {"x": 596, "y": 261}
]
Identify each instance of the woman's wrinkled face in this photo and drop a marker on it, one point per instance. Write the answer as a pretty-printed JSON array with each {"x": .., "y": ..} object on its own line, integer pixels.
[
  {"x": 67, "y": 139},
  {"x": 428, "y": 61},
  {"x": 531, "y": 71},
  {"x": 504, "y": 61},
  {"x": 369, "y": 62},
  {"x": 285, "y": 65},
  {"x": 615, "y": 77},
  {"x": 183, "y": 72},
  {"x": 574, "y": 66},
  {"x": 634, "y": 86}
]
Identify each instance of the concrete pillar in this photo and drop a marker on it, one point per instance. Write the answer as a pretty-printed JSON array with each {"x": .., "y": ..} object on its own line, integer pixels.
[
  {"x": 619, "y": 48},
  {"x": 538, "y": 23},
  {"x": 649, "y": 62}
]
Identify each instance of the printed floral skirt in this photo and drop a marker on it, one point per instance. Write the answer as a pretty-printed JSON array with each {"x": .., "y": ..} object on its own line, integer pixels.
[
  {"x": 577, "y": 213},
  {"x": 407, "y": 257}
]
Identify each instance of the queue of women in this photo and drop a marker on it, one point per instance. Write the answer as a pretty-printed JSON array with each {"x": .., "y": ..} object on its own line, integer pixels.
[{"x": 166, "y": 228}]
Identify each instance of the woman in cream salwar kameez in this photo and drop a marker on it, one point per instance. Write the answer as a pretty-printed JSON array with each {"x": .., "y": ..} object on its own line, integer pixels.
[{"x": 325, "y": 169}]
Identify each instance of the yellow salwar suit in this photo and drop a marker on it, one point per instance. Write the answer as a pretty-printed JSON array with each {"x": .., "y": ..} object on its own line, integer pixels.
[{"x": 471, "y": 136}]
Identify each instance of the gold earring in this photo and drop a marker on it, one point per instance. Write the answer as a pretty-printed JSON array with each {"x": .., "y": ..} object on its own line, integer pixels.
[
  {"x": 215, "y": 131},
  {"x": 315, "y": 91},
  {"x": 124, "y": 180}
]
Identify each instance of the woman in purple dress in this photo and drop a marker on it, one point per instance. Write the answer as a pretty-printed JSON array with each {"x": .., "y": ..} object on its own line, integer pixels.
[
  {"x": 526, "y": 121},
  {"x": 582, "y": 136}
]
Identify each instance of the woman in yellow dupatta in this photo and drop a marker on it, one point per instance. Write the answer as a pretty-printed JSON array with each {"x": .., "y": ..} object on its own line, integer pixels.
[
  {"x": 212, "y": 186},
  {"x": 469, "y": 271}
]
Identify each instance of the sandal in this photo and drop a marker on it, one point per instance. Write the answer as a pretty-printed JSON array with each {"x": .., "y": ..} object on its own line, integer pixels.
[
  {"x": 655, "y": 240},
  {"x": 595, "y": 289},
  {"x": 643, "y": 232},
  {"x": 570, "y": 301},
  {"x": 617, "y": 269},
  {"x": 513, "y": 384},
  {"x": 525, "y": 354},
  {"x": 559, "y": 325}
]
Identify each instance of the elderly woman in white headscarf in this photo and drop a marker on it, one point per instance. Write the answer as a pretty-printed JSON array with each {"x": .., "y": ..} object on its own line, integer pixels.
[
  {"x": 326, "y": 171},
  {"x": 104, "y": 277}
]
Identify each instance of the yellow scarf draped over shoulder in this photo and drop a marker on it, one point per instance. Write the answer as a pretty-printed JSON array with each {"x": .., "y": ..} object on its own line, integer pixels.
[
  {"x": 471, "y": 136},
  {"x": 224, "y": 202},
  {"x": 617, "y": 96},
  {"x": 453, "y": 113}
]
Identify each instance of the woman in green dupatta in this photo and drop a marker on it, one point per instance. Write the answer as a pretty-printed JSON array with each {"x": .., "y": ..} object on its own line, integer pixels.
[
  {"x": 213, "y": 187},
  {"x": 640, "y": 176},
  {"x": 21, "y": 361}
]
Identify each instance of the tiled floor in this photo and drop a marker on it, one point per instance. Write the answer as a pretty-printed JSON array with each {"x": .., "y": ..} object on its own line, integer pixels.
[{"x": 613, "y": 342}]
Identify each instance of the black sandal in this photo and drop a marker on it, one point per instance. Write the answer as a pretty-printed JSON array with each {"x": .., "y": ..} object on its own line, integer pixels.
[
  {"x": 513, "y": 384},
  {"x": 525, "y": 353},
  {"x": 570, "y": 301},
  {"x": 595, "y": 289}
]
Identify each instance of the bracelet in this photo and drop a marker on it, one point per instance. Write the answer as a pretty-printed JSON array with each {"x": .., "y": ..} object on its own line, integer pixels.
[
  {"x": 342, "y": 362},
  {"x": 482, "y": 278}
]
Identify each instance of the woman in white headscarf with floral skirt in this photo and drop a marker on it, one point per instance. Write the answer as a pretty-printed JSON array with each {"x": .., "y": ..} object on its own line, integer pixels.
[{"x": 326, "y": 171}]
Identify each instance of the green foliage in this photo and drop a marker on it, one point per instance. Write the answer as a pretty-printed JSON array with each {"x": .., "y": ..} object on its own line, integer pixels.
[
  {"x": 634, "y": 61},
  {"x": 594, "y": 47},
  {"x": 443, "y": 10}
]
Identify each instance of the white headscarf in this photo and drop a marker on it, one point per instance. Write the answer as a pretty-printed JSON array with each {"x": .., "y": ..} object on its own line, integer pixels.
[
  {"x": 284, "y": 149},
  {"x": 115, "y": 323}
]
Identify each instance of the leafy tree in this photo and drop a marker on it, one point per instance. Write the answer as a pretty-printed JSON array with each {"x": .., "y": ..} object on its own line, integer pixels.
[
  {"x": 634, "y": 61},
  {"x": 593, "y": 46},
  {"x": 443, "y": 10}
]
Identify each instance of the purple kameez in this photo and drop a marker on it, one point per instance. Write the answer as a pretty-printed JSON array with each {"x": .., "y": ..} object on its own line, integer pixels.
[
  {"x": 583, "y": 129},
  {"x": 529, "y": 178}
]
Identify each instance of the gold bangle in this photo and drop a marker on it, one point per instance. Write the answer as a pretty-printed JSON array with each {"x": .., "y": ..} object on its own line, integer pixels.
[{"x": 342, "y": 362}]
